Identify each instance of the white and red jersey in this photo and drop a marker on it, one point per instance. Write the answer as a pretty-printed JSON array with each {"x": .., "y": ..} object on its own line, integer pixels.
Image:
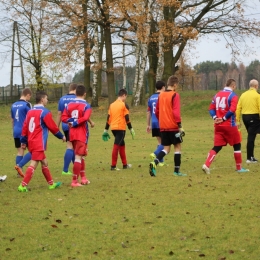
[
  {"x": 77, "y": 112},
  {"x": 224, "y": 106},
  {"x": 36, "y": 127}
]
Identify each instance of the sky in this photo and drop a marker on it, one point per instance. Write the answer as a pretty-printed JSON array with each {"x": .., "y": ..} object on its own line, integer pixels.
[{"x": 211, "y": 48}]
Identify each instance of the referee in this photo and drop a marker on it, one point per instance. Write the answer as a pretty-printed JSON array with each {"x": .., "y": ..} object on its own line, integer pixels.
[{"x": 249, "y": 106}]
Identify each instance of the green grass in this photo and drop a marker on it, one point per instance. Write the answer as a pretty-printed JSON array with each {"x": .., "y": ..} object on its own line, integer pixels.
[{"x": 127, "y": 214}]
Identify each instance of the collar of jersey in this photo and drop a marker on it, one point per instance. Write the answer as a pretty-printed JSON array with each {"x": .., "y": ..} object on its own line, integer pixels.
[
  {"x": 39, "y": 105},
  {"x": 228, "y": 89}
]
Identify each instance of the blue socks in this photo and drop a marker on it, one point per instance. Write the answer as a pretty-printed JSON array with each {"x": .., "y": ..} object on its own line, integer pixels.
[
  {"x": 68, "y": 157},
  {"x": 18, "y": 159},
  {"x": 25, "y": 160},
  {"x": 159, "y": 148}
]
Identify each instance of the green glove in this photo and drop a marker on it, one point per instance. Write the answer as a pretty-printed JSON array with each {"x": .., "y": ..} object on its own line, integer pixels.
[
  {"x": 132, "y": 131},
  {"x": 105, "y": 136},
  {"x": 182, "y": 132}
]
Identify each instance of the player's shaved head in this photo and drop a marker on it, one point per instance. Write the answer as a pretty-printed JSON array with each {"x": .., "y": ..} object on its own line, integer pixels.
[
  {"x": 80, "y": 90},
  {"x": 253, "y": 83},
  {"x": 39, "y": 96}
]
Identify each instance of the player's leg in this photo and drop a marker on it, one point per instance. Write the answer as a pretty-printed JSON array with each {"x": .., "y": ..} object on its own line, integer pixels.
[
  {"x": 115, "y": 151},
  {"x": 252, "y": 132},
  {"x": 28, "y": 175},
  {"x": 68, "y": 156},
  {"x": 166, "y": 142},
  {"x": 82, "y": 151},
  {"x": 120, "y": 140},
  {"x": 27, "y": 157},
  {"x": 219, "y": 142},
  {"x": 76, "y": 170},
  {"x": 19, "y": 157},
  {"x": 238, "y": 158}
]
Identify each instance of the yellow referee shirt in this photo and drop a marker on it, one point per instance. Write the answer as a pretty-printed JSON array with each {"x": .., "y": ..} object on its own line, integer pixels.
[{"x": 248, "y": 103}]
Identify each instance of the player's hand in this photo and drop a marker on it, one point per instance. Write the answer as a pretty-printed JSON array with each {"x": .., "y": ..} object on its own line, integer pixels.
[
  {"x": 182, "y": 132},
  {"x": 238, "y": 125},
  {"x": 92, "y": 124},
  {"x": 132, "y": 131},
  {"x": 105, "y": 136},
  {"x": 64, "y": 138},
  {"x": 23, "y": 146},
  {"x": 218, "y": 120},
  {"x": 148, "y": 129},
  {"x": 73, "y": 124}
]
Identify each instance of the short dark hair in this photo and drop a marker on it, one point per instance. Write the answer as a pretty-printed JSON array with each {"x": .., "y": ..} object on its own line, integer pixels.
[
  {"x": 73, "y": 86},
  {"x": 80, "y": 90},
  {"x": 172, "y": 80},
  {"x": 122, "y": 92},
  {"x": 229, "y": 82},
  {"x": 39, "y": 95},
  {"x": 159, "y": 85},
  {"x": 26, "y": 91}
]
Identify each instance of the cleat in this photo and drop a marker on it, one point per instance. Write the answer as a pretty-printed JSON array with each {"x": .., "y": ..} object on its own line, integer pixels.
[
  {"x": 19, "y": 170},
  {"x": 206, "y": 169},
  {"x": 73, "y": 184},
  {"x": 152, "y": 169},
  {"x": 152, "y": 156},
  {"x": 85, "y": 181},
  {"x": 66, "y": 173},
  {"x": 242, "y": 170},
  {"x": 127, "y": 166},
  {"x": 22, "y": 188},
  {"x": 114, "y": 168},
  {"x": 252, "y": 160},
  {"x": 161, "y": 164},
  {"x": 2, "y": 178},
  {"x": 179, "y": 174},
  {"x": 55, "y": 185}
]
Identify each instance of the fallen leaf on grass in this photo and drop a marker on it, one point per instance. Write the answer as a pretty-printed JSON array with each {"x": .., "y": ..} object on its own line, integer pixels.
[
  {"x": 201, "y": 255},
  {"x": 54, "y": 226},
  {"x": 12, "y": 239},
  {"x": 171, "y": 253},
  {"x": 8, "y": 249},
  {"x": 231, "y": 252},
  {"x": 58, "y": 221}
]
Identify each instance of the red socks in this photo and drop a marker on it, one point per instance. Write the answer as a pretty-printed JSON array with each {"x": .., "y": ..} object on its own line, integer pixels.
[
  {"x": 76, "y": 170},
  {"x": 122, "y": 154},
  {"x": 47, "y": 175},
  {"x": 238, "y": 159},
  {"x": 210, "y": 158},
  {"x": 28, "y": 176},
  {"x": 115, "y": 154}
]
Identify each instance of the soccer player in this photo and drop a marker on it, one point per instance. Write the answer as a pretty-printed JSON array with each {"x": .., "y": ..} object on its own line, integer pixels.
[
  {"x": 35, "y": 130},
  {"x": 168, "y": 113},
  {"x": 222, "y": 110},
  {"x": 19, "y": 111},
  {"x": 249, "y": 106},
  {"x": 117, "y": 119},
  {"x": 152, "y": 121},
  {"x": 63, "y": 102},
  {"x": 76, "y": 115}
]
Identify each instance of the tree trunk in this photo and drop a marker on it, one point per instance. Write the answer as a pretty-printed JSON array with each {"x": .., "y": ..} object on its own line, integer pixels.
[
  {"x": 159, "y": 71},
  {"x": 109, "y": 60},
  {"x": 86, "y": 50},
  {"x": 101, "y": 46},
  {"x": 94, "y": 102}
]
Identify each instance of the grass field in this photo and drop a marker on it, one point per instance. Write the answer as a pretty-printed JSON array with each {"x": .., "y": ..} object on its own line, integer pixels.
[{"x": 128, "y": 214}]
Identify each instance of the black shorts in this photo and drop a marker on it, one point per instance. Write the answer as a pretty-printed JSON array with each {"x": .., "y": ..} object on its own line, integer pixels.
[
  {"x": 17, "y": 142},
  {"x": 156, "y": 132},
  {"x": 119, "y": 137},
  {"x": 66, "y": 133},
  {"x": 169, "y": 138}
]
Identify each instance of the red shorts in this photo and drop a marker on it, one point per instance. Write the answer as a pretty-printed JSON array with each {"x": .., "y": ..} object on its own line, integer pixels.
[
  {"x": 38, "y": 155},
  {"x": 226, "y": 135},
  {"x": 79, "y": 148}
]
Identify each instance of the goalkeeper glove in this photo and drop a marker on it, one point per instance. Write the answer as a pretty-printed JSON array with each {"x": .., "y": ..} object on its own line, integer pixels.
[
  {"x": 132, "y": 131},
  {"x": 182, "y": 132},
  {"x": 105, "y": 136}
]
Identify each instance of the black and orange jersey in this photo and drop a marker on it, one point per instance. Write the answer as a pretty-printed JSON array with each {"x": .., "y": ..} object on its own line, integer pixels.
[
  {"x": 118, "y": 115},
  {"x": 168, "y": 111}
]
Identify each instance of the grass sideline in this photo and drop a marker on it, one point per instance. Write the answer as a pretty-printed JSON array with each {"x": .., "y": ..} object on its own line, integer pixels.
[{"x": 128, "y": 214}]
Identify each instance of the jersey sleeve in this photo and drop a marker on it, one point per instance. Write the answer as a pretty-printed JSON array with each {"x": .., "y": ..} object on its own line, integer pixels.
[
  {"x": 49, "y": 122},
  {"x": 233, "y": 106},
  {"x": 212, "y": 108},
  {"x": 176, "y": 107}
]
